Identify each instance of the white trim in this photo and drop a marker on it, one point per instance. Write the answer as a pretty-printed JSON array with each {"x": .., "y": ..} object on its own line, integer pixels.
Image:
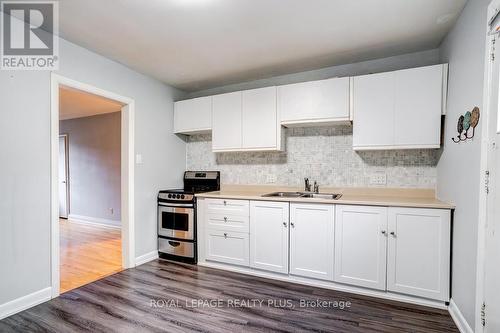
[
  {"x": 94, "y": 221},
  {"x": 127, "y": 171},
  {"x": 326, "y": 284},
  {"x": 25, "y": 302},
  {"x": 458, "y": 318},
  {"x": 484, "y": 165},
  {"x": 146, "y": 258}
]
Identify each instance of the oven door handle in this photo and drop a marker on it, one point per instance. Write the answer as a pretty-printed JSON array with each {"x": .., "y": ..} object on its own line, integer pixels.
[{"x": 164, "y": 204}]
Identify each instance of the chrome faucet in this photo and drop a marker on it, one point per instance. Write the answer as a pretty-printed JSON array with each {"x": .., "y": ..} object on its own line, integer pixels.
[
  {"x": 307, "y": 185},
  {"x": 316, "y": 187}
]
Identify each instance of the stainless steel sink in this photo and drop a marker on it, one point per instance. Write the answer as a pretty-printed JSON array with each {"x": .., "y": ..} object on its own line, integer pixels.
[
  {"x": 330, "y": 196},
  {"x": 283, "y": 194}
]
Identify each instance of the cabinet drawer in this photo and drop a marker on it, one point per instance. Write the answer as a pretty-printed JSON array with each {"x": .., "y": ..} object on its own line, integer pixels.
[
  {"x": 227, "y": 247},
  {"x": 228, "y": 207},
  {"x": 228, "y": 222}
]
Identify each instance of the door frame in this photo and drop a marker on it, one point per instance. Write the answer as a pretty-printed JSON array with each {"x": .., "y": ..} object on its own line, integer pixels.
[
  {"x": 66, "y": 166},
  {"x": 485, "y": 162},
  {"x": 127, "y": 171}
]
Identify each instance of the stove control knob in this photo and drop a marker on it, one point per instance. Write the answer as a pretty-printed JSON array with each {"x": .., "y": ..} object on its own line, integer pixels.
[
  {"x": 182, "y": 196},
  {"x": 169, "y": 196},
  {"x": 178, "y": 196}
]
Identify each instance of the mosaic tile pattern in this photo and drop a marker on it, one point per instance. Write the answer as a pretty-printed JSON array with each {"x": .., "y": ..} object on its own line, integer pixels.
[{"x": 324, "y": 154}]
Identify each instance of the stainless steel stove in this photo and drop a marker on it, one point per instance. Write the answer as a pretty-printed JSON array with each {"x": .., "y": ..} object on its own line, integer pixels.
[{"x": 177, "y": 215}]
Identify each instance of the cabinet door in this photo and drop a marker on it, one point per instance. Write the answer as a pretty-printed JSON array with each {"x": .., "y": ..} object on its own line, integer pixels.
[
  {"x": 269, "y": 235},
  {"x": 227, "y": 247},
  {"x": 373, "y": 107},
  {"x": 418, "y": 107},
  {"x": 314, "y": 101},
  {"x": 311, "y": 240},
  {"x": 360, "y": 245},
  {"x": 259, "y": 119},
  {"x": 419, "y": 252},
  {"x": 193, "y": 115},
  {"x": 226, "y": 121}
]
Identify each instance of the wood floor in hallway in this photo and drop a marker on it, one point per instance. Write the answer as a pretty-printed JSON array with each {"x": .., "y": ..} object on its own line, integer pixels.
[
  {"x": 162, "y": 296},
  {"x": 87, "y": 253}
]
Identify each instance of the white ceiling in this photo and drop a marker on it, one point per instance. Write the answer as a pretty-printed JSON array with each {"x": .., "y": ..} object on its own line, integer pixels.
[
  {"x": 76, "y": 104},
  {"x": 199, "y": 44}
]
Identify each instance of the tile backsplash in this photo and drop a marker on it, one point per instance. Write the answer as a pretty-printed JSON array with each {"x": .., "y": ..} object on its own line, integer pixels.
[{"x": 324, "y": 154}]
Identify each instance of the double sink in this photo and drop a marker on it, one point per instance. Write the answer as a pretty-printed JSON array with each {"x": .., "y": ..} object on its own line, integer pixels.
[{"x": 312, "y": 195}]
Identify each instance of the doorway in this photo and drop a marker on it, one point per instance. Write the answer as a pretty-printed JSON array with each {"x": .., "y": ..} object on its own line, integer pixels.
[
  {"x": 90, "y": 229},
  {"x": 63, "y": 176}
]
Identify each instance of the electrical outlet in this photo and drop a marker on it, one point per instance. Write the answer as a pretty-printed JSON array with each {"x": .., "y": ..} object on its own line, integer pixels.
[
  {"x": 379, "y": 178},
  {"x": 271, "y": 179}
]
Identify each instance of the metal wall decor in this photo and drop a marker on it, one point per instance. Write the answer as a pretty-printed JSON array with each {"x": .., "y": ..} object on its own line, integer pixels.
[{"x": 466, "y": 126}]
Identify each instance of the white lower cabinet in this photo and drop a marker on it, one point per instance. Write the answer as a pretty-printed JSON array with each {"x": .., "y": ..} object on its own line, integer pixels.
[
  {"x": 269, "y": 236},
  {"x": 399, "y": 250},
  {"x": 227, "y": 247},
  {"x": 360, "y": 245},
  {"x": 419, "y": 252},
  {"x": 311, "y": 240}
]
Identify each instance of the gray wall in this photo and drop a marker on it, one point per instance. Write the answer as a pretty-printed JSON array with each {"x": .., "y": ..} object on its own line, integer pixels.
[
  {"x": 424, "y": 58},
  {"x": 459, "y": 166},
  {"x": 324, "y": 154},
  {"x": 25, "y": 168},
  {"x": 94, "y": 155}
]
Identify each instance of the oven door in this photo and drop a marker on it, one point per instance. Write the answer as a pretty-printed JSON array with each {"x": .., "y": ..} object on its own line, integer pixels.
[{"x": 176, "y": 221}]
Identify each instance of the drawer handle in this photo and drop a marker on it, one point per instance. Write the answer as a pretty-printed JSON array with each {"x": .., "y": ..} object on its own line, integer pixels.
[
  {"x": 225, "y": 235},
  {"x": 225, "y": 218},
  {"x": 174, "y": 244}
]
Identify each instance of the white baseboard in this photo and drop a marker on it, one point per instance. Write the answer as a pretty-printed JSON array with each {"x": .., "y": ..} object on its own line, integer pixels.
[
  {"x": 459, "y": 318},
  {"x": 25, "y": 302},
  {"x": 146, "y": 258},
  {"x": 95, "y": 221}
]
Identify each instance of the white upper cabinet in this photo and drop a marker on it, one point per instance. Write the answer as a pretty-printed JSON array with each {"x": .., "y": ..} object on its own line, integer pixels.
[
  {"x": 400, "y": 109},
  {"x": 246, "y": 121},
  {"x": 314, "y": 102},
  {"x": 418, "y": 258},
  {"x": 418, "y": 106},
  {"x": 226, "y": 122},
  {"x": 260, "y": 127},
  {"x": 269, "y": 236},
  {"x": 193, "y": 116},
  {"x": 360, "y": 245}
]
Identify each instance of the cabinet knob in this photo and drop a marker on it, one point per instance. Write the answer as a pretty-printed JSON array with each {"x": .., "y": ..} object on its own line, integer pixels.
[
  {"x": 225, "y": 202},
  {"x": 284, "y": 224},
  {"x": 225, "y": 235},
  {"x": 384, "y": 232},
  {"x": 393, "y": 233},
  {"x": 225, "y": 218},
  {"x": 292, "y": 224}
]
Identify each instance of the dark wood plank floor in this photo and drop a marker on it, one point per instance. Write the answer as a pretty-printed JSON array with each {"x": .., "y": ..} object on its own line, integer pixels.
[{"x": 158, "y": 297}]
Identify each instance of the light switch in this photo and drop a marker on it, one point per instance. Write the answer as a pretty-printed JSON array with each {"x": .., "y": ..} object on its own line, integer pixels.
[{"x": 138, "y": 159}]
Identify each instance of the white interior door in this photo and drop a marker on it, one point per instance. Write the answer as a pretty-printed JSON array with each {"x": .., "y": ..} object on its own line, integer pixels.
[
  {"x": 63, "y": 176},
  {"x": 492, "y": 240}
]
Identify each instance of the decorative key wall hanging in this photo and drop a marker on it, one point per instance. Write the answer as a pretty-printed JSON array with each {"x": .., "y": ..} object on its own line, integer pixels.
[{"x": 466, "y": 126}]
